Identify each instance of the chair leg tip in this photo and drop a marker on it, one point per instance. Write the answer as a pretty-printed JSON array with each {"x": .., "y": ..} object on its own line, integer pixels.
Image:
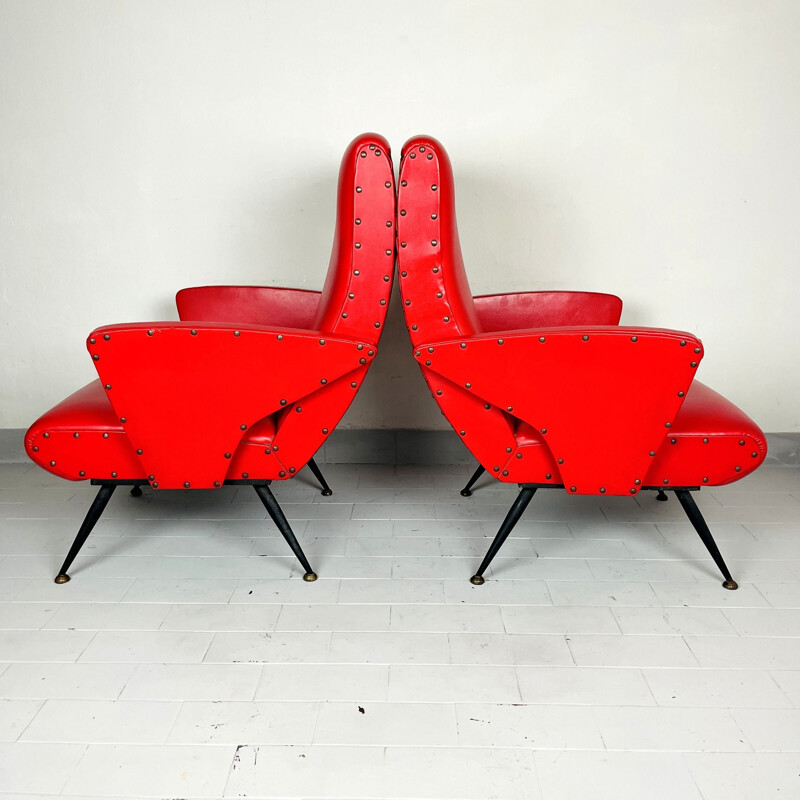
[
  {"x": 477, "y": 580},
  {"x": 136, "y": 491},
  {"x": 466, "y": 493},
  {"x": 730, "y": 585},
  {"x": 326, "y": 492},
  {"x": 62, "y": 578},
  {"x": 310, "y": 577}
]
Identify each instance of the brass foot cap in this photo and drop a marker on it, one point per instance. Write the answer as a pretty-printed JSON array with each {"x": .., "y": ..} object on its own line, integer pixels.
[
  {"x": 730, "y": 585},
  {"x": 477, "y": 580},
  {"x": 466, "y": 493},
  {"x": 327, "y": 492},
  {"x": 310, "y": 577},
  {"x": 62, "y": 578}
]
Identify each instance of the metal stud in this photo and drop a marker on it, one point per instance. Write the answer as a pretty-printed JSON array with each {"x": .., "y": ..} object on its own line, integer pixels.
[
  {"x": 283, "y": 402},
  {"x": 468, "y": 385},
  {"x": 673, "y": 441},
  {"x": 542, "y": 339},
  {"x": 151, "y": 477},
  {"x": 243, "y": 427},
  {"x": 683, "y": 343},
  {"x": 388, "y": 223},
  {"x": 439, "y": 392},
  {"x": 402, "y": 212},
  {"x": 496, "y": 469},
  {"x": 123, "y": 420},
  {"x": 435, "y": 269},
  {"x": 193, "y": 331},
  {"x": 94, "y": 341},
  {"x": 323, "y": 381},
  {"x": 46, "y": 435},
  {"x": 353, "y": 384},
  {"x": 665, "y": 481},
  {"x": 358, "y": 221},
  {"x": 358, "y": 189},
  {"x": 487, "y": 406},
  {"x": 738, "y": 469},
  {"x": 439, "y": 295},
  {"x": 681, "y": 394},
  {"x": 113, "y": 474},
  {"x": 693, "y": 364},
  {"x": 280, "y": 337},
  {"x": 151, "y": 332},
  {"x": 298, "y": 409},
  {"x": 325, "y": 430},
  {"x": 281, "y": 474},
  {"x": 383, "y": 302},
  {"x": 667, "y": 424},
  {"x": 388, "y": 252},
  {"x": 434, "y": 243},
  {"x": 446, "y": 319},
  {"x": 388, "y": 184},
  {"x": 508, "y": 449},
  {"x": 434, "y": 216},
  {"x": 741, "y": 443},
  {"x": 697, "y": 349},
  {"x": 505, "y": 473},
  {"x": 404, "y": 183},
  {"x": 108, "y": 386},
  {"x": 344, "y": 315},
  {"x": 544, "y": 430},
  {"x": 463, "y": 433},
  {"x": 519, "y": 455},
  {"x": 217, "y": 484},
  {"x": 412, "y": 155},
  {"x": 705, "y": 480},
  {"x": 267, "y": 451},
  {"x": 407, "y": 302},
  {"x": 560, "y": 460},
  {"x": 245, "y": 475},
  {"x": 548, "y": 476},
  {"x": 509, "y": 408},
  {"x": 602, "y": 490},
  {"x": 386, "y": 279},
  {"x": 35, "y": 449},
  {"x": 403, "y": 274},
  {"x": 573, "y": 489},
  {"x": 237, "y": 333},
  {"x": 187, "y": 485},
  {"x": 500, "y": 341},
  {"x": 292, "y": 470},
  {"x": 633, "y": 491},
  {"x": 76, "y": 435},
  {"x": 82, "y": 473},
  {"x": 427, "y": 363},
  {"x": 754, "y": 454},
  {"x": 322, "y": 342},
  {"x": 155, "y": 484},
  {"x": 363, "y": 154},
  {"x": 357, "y": 245},
  {"x": 652, "y": 453},
  {"x": 377, "y": 324},
  {"x": 414, "y": 327},
  {"x": 52, "y": 463},
  {"x": 95, "y": 357},
  {"x": 430, "y": 156},
  {"x": 585, "y": 338},
  {"x": 139, "y": 452},
  {"x": 634, "y": 338},
  {"x": 106, "y": 336},
  {"x": 638, "y": 482},
  {"x": 705, "y": 441},
  {"x": 105, "y": 436},
  {"x": 434, "y": 187},
  {"x": 422, "y": 148},
  {"x": 370, "y": 352},
  {"x": 227, "y": 455}
]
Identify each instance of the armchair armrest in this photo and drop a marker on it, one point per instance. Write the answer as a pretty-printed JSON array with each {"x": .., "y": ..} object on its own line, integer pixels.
[
  {"x": 186, "y": 392},
  {"x": 538, "y": 309},
  {"x": 604, "y": 398},
  {"x": 249, "y": 305}
]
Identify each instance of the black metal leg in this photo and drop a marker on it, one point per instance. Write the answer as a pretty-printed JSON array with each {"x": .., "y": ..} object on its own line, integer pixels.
[
  {"x": 696, "y": 518},
  {"x": 90, "y": 520},
  {"x": 136, "y": 491},
  {"x": 514, "y": 513},
  {"x": 271, "y": 504},
  {"x": 465, "y": 492},
  {"x": 326, "y": 490},
  {"x": 662, "y": 496}
]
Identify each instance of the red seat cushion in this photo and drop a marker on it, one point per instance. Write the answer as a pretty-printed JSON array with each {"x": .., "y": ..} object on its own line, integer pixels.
[{"x": 85, "y": 439}]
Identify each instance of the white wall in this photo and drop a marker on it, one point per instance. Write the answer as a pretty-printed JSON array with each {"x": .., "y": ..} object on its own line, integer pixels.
[{"x": 651, "y": 149}]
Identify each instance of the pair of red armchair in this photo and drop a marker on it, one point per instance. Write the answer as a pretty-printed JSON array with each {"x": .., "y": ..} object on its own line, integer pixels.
[{"x": 544, "y": 388}]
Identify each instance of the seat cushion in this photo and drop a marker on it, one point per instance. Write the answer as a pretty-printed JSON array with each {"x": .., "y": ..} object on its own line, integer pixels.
[
  {"x": 82, "y": 437},
  {"x": 711, "y": 442}
]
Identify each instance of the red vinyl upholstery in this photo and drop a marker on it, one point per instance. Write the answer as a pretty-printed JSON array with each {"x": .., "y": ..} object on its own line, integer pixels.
[
  {"x": 246, "y": 366},
  {"x": 546, "y": 387},
  {"x": 252, "y": 380}
]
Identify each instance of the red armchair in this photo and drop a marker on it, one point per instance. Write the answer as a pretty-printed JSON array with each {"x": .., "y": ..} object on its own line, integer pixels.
[
  {"x": 248, "y": 385},
  {"x": 545, "y": 389}
]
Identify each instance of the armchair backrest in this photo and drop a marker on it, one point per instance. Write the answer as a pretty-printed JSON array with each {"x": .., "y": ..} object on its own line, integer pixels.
[
  {"x": 356, "y": 293},
  {"x": 436, "y": 295}
]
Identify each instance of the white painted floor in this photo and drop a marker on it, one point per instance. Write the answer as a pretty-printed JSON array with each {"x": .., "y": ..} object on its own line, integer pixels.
[{"x": 602, "y": 659}]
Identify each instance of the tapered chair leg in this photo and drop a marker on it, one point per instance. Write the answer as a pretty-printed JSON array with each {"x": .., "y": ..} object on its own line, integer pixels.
[
  {"x": 514, "y": 513},
  {"x": 696, "y": 518},
  {"x": 326, "y": 490},
  {"x": 136, "y": 491},
  {"x": 90, "y": 520},
  {"x": 465, "y": 492},
  {"x": 271, "y": 504}
]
